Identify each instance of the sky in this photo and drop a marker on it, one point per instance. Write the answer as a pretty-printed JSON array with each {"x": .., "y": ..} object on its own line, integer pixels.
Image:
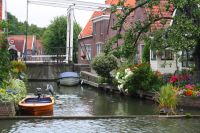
[{"x": 43, "y": 15}]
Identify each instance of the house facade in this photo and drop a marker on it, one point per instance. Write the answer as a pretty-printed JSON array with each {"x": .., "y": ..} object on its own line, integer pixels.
[
  {"x": 18, "y": 42},
  {"x": 99, "y": 29}
]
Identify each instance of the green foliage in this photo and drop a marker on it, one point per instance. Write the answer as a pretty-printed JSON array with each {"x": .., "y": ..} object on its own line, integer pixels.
[
  {"x": 108, "y": 46},
  {"x": 104, "y": 64},
  {"x": 181, "y": 35},
  {"x": 19, "y": 28},
  {"x": 146, "y": 53},
  {"x": 4, "y": 61},
  {"x": 18, "y": 68},
  {"x": 3, "y": 24},
  {"x": 138, "y": 77},
  {"x": 128, "y": 49},
  {"x": 167, "y": 97},
  {"x": 13, "y": 91},
  {"x": 55, "y": 36}
]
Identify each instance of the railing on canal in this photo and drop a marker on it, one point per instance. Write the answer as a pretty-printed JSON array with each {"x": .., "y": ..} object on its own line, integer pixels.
[{"x": 45, "y": 59}]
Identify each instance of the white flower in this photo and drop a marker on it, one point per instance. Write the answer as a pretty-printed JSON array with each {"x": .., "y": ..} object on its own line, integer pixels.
[
  {"x": 127, "y": 70},
  {"x": 117, "y": 75},
  {"x": 121, "y": 81},
  {"x": 120, "y": 87},
  {"x": 129, "y": 74},
  {"x": 126, "y": 90}
]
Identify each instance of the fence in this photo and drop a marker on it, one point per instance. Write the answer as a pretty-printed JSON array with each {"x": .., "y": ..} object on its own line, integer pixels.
[{"x": 45, "y": 58}]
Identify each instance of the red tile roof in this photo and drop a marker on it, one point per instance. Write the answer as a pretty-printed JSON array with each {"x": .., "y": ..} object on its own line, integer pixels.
[
  {"x": 19, "y": 41},
  {"x": 115, "y": 2},
  {"x": 87, "y": 30},
  {"x": 161, "y": 11}
]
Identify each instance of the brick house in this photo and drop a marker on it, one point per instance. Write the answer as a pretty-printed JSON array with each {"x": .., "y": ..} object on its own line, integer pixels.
[
  {"x": 34, "y": 46},
  {"x": 99, "y": 29}
]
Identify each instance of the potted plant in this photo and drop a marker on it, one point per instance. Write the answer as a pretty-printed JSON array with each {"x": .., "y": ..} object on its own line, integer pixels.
[{"x": 167, "y": 99}]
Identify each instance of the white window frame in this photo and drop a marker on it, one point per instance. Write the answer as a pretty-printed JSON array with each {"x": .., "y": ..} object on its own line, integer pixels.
[
  {"x": 88, "y": 48},
  {"x": 99, "y": 48}
]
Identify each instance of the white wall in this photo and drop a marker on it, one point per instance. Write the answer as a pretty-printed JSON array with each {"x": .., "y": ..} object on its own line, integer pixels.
[{"x": 169, "y": 67}]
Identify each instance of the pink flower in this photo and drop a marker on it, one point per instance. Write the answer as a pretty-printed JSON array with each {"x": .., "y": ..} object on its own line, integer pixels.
[
  {"x": 173, "y": 79},
  {"x": 189, "y": 86},
  {"x": 180, "y": 92}
]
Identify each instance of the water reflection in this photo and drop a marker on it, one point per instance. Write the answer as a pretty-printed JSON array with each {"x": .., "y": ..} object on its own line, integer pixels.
[
  {"x": 88, "y": 101},
  {"x": 137, "y": 125}
]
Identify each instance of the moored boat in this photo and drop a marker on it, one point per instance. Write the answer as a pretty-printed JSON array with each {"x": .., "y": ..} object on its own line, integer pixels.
[
  {"x": 37, "y": 105},
  {"x": 69, "y": 78}
]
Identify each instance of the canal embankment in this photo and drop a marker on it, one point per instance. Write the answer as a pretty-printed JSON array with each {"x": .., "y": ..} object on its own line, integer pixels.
[
  {"x": 93, "y": 80},
  {"x": 98, "y": 117}
]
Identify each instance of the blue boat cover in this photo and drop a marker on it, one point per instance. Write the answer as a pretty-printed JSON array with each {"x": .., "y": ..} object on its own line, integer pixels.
[
  {"x": 69, "y": 74},
  {"x": 38, "y": 100}
]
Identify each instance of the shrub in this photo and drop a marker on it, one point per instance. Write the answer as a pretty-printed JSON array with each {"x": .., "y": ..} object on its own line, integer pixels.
[
  {"x": 104, "y": 64},
  {"x": 146, "y": 53},
  {"x": 167, "y": 98},
  {"x": 14, "y": 91},
  {"x": 18, "y": 68},
  {"x": 4, "y": 61},
  {"x": 138, "y": 77}
]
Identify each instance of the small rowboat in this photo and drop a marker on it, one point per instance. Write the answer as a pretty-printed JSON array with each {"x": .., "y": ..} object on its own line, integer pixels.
[
  {"x": 37, "y": 106},
  {"x": 69, "y": 78}
]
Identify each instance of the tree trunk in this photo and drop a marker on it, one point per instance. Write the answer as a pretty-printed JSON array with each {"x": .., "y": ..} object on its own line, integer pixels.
[{"x": 197, "y": 63}]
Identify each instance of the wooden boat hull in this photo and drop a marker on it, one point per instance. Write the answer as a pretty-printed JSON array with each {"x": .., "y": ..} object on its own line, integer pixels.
[
  {"x": 36, "y": 108},
  {"x": 69, "y": 81}
]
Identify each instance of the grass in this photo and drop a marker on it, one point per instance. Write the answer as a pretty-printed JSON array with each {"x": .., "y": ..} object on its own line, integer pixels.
[{"x": 167, "y": 98}]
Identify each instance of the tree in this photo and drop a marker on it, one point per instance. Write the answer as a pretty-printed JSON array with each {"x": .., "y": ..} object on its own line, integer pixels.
[
  {"x": 4, "y": 61},
  {"x": 19, "y": 28},
  {"x": 55, "y": 36},
  {"x": 183, "y": 34}
]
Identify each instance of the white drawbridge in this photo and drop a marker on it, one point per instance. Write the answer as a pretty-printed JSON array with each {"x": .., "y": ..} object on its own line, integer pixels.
[{"x": 70, "y": 5}]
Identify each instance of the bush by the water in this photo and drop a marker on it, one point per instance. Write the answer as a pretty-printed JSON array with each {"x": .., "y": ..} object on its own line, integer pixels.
[
  {"x": 104, "y": 64},
  {"x": 138, "y": 77},
  {"x": 18, "y": 69},
  {"x": 13, "y": 91},
  {"x": 167, "y": 98}
]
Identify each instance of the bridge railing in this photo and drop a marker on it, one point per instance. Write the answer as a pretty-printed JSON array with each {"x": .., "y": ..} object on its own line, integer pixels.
[{"x": 45, "y": 58}]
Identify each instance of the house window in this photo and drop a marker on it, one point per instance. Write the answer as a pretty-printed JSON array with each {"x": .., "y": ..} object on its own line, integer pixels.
[
  {"x": 153, "y": 54},
  {"x": 187, "y": 58},
  {"x": 88, "y": 51},
  {"x": 167, "y": 55},
  {"x": 99, "y": 48},
  {"x": 94, "y": 28}
]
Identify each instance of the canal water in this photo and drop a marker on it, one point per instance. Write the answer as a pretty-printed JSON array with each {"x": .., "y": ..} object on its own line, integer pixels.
[{"x": 88, "y": 101}]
